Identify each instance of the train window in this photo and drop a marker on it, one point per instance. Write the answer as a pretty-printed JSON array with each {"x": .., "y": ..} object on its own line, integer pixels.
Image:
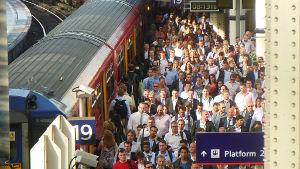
[
  {"x": 121, "y": 64},
  {"x": 110, "y": 82},
  {"x": 130, "y": 49},
  {"x": 96, "y": 97}
]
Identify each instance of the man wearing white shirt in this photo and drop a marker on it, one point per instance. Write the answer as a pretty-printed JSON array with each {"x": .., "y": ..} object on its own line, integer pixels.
[
  {"x": 138, "y": 118},
  {"x": 232, "y": 85},
  {"x": 206, "y": 100},
  {"x": 212, "y": 68},
  {"x": 243, "y": 98},
  {"x": 173, "y": 137}
]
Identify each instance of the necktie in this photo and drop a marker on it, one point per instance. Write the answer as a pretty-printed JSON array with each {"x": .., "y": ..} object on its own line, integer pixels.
[
  {"x": 229, "y": 121},
  {"x": 141, "y": 119}
]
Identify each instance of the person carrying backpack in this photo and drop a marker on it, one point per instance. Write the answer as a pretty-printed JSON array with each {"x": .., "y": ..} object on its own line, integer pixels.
[
  {"x": 121, "y": 107},
  {"x": 108, "y": 148}
]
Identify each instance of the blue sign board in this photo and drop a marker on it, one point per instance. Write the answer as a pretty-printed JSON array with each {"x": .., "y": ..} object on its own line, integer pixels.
[
  {"x": 84, "y": 130},
  {"x": 176, "y": 3},
  {"x": 230, "y": 148}
]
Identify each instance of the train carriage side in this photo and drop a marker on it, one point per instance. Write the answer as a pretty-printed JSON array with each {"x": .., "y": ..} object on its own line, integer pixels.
[{"x": 86, "y": 51}]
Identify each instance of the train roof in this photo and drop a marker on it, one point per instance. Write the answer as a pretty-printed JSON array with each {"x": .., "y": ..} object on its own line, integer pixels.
[{"x": 54, "y": 63}]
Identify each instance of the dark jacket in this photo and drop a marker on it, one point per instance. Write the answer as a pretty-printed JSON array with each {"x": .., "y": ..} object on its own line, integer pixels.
[
  {"x": 223, "y": 122},
  {"x": 154, "y": 146},
  {"x": 210, "y": 127},
  {"x": 176, "y": 164},
  {"x": 194, "y": 105}
]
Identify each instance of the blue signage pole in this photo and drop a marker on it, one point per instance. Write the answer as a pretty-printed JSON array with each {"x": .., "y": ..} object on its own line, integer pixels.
[{"x": 230, "y": 148}]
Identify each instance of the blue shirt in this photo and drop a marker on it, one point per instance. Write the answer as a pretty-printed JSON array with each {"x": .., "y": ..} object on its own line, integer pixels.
[
  {"x": 171, "y": 77},
  {"x": 112, "y": 104}
]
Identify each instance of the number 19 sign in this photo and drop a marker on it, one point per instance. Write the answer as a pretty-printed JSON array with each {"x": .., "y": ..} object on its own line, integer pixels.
[{"x": 84, "y": 130}]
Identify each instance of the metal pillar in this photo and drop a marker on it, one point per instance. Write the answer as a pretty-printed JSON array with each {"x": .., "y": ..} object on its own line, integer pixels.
[
  {"x": 238, "y": 17},
  {"x": 282, "y": 55},
  {"x": 4, "y": 101}
]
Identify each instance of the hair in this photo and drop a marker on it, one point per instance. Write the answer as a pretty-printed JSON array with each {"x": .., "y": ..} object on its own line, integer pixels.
[
  {"x": 183, "y": 148},
  {"x": 238, "y": 117},
  {"x": 120, "y": 91},
  {"x": 127, "y": 142},
  {"x": 160, "y": 156},
  {"x": 184, "y": 141},
  {"x": 108, "y": 138},
  {"x": 131, "y": 131},
  {"x": 140, "y": 155},
  {"x": 188, "y": 104},
  {"x": 255, "y": 129},
  {"x": 147, "y": 162},
  {"x": 108, "y": 125},
  {"x": 181, "y": 120},
  {"x": 162, "y": 141}
]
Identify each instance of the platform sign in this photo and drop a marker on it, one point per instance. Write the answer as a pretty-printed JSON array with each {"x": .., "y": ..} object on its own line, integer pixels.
[
  {"x": 177, "y": 3},
  {"x": 230, "y": 148},
  {"x": 84, "y": 130}
]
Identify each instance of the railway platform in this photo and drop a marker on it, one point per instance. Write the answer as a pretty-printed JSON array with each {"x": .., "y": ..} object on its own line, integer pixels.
[{"x": 18, "y": 23}]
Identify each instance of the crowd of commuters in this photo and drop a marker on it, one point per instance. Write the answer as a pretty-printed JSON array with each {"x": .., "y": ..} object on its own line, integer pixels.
[{"x": 196, "y": 82}]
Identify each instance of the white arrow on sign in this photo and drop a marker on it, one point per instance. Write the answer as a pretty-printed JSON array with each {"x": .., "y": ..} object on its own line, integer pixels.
[{"x": 203, "y": 153}]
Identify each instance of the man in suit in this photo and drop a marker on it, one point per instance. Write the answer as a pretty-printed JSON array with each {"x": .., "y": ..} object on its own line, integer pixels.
[
  {"x": 153, "y": 139},
  {"x": 238, "y": 127},
  {"x": 227, "y": 101},
  {"x": 172, "y": 101},
  {"x": 191, "y": 99},
  {"x": 204, "y": 123},
  {"x": 179, "y": 84},
  {"x": 247, "y": 114},
  {"x": 228, "y": 121}
]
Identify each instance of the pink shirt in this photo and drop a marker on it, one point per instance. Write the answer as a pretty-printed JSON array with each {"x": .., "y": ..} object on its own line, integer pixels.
[{"x": 163, "y": 123}]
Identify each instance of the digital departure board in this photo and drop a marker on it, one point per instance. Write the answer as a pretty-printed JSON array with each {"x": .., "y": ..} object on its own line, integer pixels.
[{"x": 203, "y": 6}]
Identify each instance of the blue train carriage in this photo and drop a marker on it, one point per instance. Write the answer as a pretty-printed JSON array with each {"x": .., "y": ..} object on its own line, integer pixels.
[
  {"x": 92, "y": 47},
  {"x": 30, "y": 115}
]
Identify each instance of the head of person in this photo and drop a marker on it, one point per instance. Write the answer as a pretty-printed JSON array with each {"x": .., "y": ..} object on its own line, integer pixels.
[
  {"x": 182, "y": 110},
  {"x": 248, "y": 84},
  {"x": 151, "y": 122},
  {"x": 159, "y": 110},
  {"x": 184, "y": 143},
  {"x": 174, "y": 127},
  {"x": 160, "y": 160},
  {"x": 162, "y": 146},
  {"x": 256, "y": 127},
  {"x": 155, "y": 87},
  {"x": 181, "y": 75},
  {"x": 243, "y": 88},
  {"x": 193, "y": 147},
  {"x": 215, "y": 107},
  {"x": 239, "y": 120},
  {"x": 131, "y": 135},
  {"x": 183, "y": 151},
  {"x": 200, "y": 107},
  {"x": 139, "y": 128},
  {"x": 146, "y": 146},
  {"x": 205, "y": 91},
  {"x": 165, "y": 109},
  {"x": 226, "y": 95},
  {"x": 249, "y": 107},
  {"x": 222, "y": 107},
  {"x": 230, "y": 113},
  {"x": 140, "y": 157},
  {"x": 141, "y": 107},
  {"x": 232, "y": 78},
  {"x": 204, "y": 116},
  {"x": 191, "y": 94},
  {"x": 175, "y": 94},
  {"x": 127, "y": 146},
  {"x": 108, "y": 138},
  {"x": 181, "y": 124},
  {"x": 163, "y": 94},
  {"x": 153, "y": 132},
  {"x": 122, "y": 155},
  {"x": 170, "y": 65},
  {"x": 148, "y": 165},
  {"x": 195, "y": 165}
]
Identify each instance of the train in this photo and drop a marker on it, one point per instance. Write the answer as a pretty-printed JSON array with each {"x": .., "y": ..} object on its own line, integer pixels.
[{"x": 92, "y": 47}]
